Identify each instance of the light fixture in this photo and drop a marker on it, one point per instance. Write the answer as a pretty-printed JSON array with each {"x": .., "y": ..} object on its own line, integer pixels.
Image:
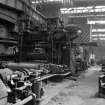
[{"x": 79, "y": 32}]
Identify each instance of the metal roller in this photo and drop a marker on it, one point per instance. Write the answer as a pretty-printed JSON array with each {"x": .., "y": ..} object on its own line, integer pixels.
[
  {"x": 22, "y": 65},
  {"x": 26, "y": 100}
]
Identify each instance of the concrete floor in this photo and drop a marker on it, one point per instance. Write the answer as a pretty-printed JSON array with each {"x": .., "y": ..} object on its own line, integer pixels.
[{"x": 82, "y": 92}]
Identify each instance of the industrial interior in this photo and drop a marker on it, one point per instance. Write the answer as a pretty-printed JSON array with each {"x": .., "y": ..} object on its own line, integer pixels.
[{"x": 52, "y": 52}]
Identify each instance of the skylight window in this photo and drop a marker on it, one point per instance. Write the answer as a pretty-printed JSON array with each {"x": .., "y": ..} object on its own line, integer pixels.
[
  {"x": 101, "y": 38},
  {"x": 101, "y": 35},
  {"x": 94, "y": 38},
  {"x": 98, "y": 30},
  {"x": 94, "y": 35},
  {"x": 98, "y": 37},
  {"x": 45, "y": 1},
  {"x": 96, "y": 22},
  {"x": 89, "y": 9}
]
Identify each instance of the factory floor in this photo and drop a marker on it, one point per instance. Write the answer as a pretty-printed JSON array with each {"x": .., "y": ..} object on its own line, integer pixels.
[{"x": 84, "y": 91}]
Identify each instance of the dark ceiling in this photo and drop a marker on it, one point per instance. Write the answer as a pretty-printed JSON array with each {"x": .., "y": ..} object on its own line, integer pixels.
[
  {"x": 88, "y": 2},
  {"x": 52, "y": 9}
]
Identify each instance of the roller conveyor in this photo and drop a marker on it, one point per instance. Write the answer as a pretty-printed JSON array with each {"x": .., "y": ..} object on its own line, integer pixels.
[
  {"x": 65, "y": 74},
  {"x": 52, "y": 75},
  {"x": 45, "y": 77}
]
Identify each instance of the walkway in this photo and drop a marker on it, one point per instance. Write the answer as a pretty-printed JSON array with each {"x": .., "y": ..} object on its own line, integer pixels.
[{"x": 82, "y": 92}]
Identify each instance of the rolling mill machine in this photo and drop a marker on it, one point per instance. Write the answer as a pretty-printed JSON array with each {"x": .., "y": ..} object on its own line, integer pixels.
[{"x": 37, "y": 56}]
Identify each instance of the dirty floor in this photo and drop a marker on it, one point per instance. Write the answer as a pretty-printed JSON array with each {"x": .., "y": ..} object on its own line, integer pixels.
[{"x": 82, "y": 92}]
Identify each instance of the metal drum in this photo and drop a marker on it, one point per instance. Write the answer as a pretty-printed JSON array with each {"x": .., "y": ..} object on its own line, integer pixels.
[{"x": 36, "y": 88}]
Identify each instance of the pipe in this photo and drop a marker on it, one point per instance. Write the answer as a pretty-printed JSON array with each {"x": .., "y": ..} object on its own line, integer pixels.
[
  {"x": 22, "y": 65},
  {"x": 26, "y": 100}
]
